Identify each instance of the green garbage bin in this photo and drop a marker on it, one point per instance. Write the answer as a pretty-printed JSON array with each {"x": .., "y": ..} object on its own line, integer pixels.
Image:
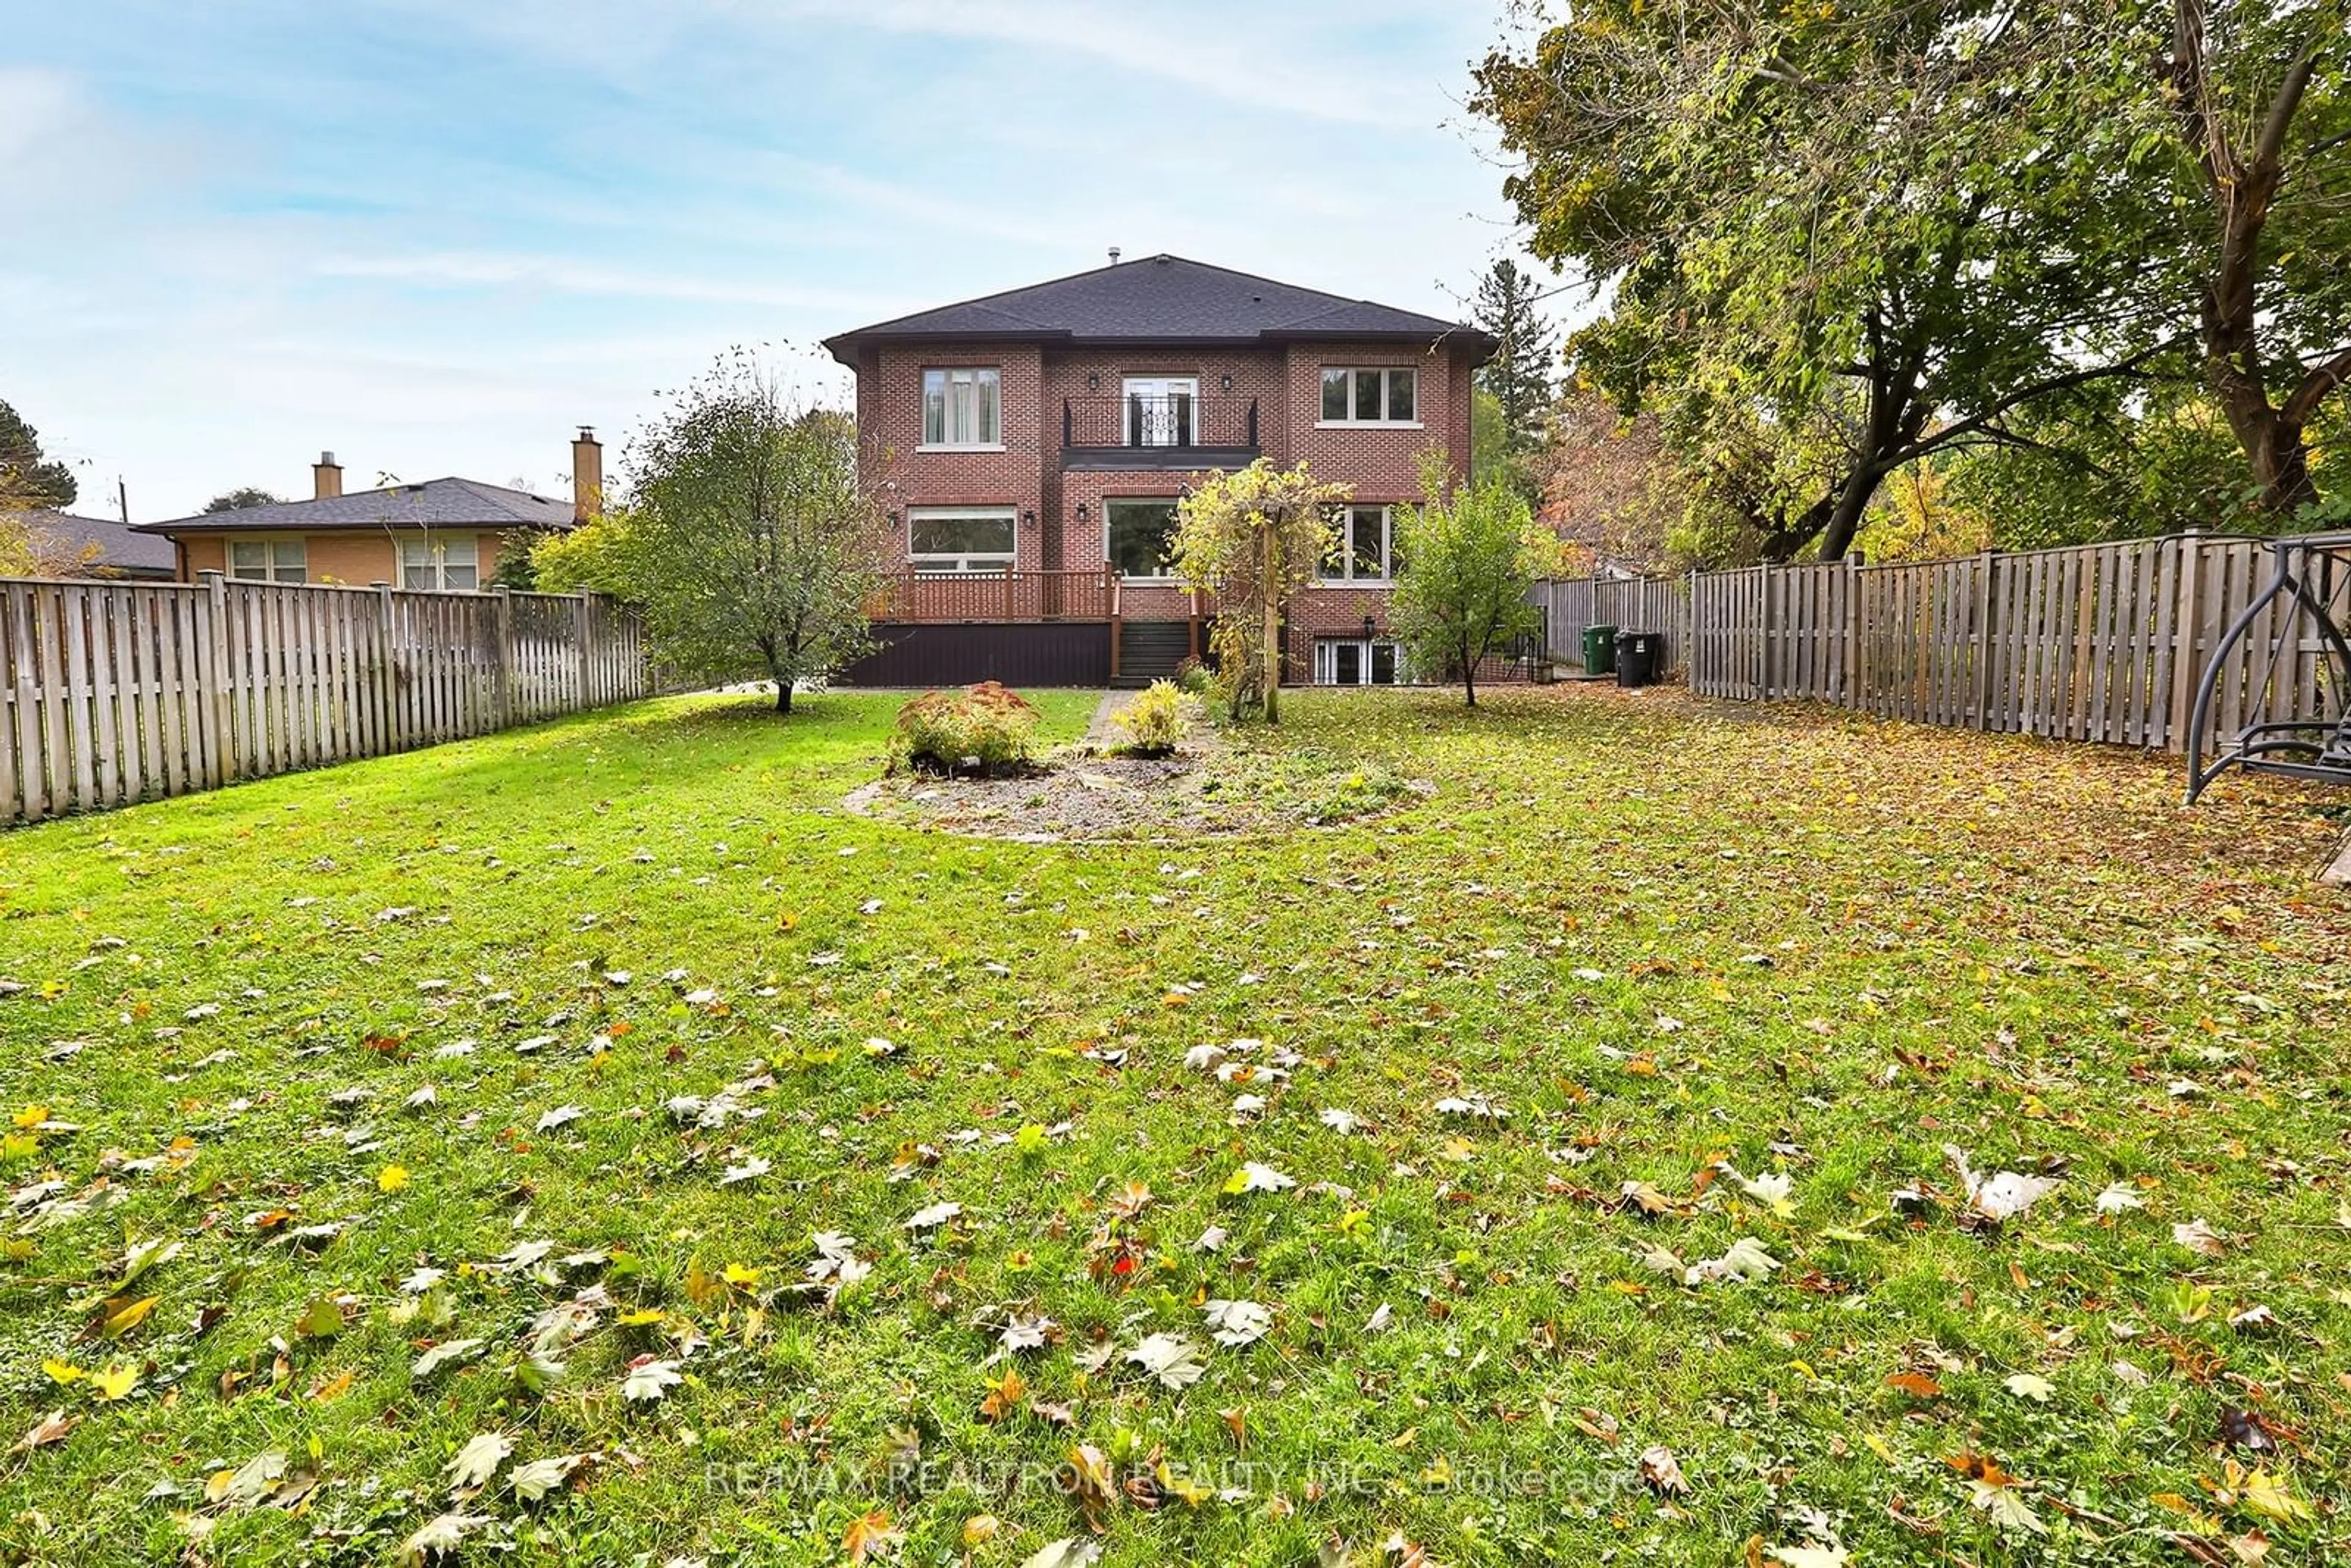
[{"x": 1599, "y": 650}]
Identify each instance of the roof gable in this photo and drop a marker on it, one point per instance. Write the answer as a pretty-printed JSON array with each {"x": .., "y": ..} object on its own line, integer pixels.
[{"x": 1161, "y": 299}]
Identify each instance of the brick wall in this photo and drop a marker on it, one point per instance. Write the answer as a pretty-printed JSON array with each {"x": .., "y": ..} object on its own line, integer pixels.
[{"x": 1381, "y": 462}]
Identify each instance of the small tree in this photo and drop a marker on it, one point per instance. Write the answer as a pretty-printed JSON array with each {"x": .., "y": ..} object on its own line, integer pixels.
[
  {"x": 1254, "y": 538},
  {"x": 1467, "y": 561},
  {"x": 745, "y": 540}
]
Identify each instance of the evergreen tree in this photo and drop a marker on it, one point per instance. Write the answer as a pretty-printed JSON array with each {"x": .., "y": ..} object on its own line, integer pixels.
[
  {"x": 1520, "y": 374},
  {"x": 26, "y": 477}
]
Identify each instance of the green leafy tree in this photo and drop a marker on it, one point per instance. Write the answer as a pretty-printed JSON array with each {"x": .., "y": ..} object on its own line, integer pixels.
[
  {"x": 240, "y": 498},
  {"x": 1466, "y": 562},
  {"x": 1520, "y": 374},
  {"x": 28, "y": 477},
  {"x": 745, "y": 537},
  {"x": 2258, "y": 104},
  {"x": 1834, "y": 239},
  {"x": 1253, "y": 539}
]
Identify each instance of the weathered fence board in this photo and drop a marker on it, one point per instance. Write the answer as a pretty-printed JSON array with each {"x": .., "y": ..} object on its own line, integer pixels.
[
  {"x": 2102, "y": 642},
  {"x": 113, "y": 693}
]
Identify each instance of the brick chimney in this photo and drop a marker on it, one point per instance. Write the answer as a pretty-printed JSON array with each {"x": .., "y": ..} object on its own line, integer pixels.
[
  {"x": 326, "y": 477},
  {"x": 587, "y": 475}
]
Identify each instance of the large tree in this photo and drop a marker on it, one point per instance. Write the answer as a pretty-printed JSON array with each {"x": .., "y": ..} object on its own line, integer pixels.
[
  {"x": 29, "y": 476},
  {"x": 2258, "y": 98},
  {"x": 1526, "y": 352},
  {"x": 744, "y": 537},
  {"x": 1833, "y": 239}
]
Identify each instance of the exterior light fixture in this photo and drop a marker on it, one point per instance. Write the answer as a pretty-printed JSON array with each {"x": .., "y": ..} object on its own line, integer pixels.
[
  {"x": 1369, "y": 632},
  {"x": 1081, "y": 512},
  {"x": 1228, "y": 381},
  {"x": 1029, "y": 519},
  {"x": 1093, "y": 381}
]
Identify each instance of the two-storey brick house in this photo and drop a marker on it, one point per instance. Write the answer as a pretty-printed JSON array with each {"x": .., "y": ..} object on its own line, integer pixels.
[{"x": 1031, "y": 446}]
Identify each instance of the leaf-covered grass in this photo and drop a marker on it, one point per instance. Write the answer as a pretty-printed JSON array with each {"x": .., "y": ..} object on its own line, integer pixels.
[{"x": 1630, "y": 940}]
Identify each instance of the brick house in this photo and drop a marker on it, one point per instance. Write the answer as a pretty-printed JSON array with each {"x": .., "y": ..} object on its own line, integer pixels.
[
  {"x": 1031, "y": 446},
  {"x": 440, "y": 534}
]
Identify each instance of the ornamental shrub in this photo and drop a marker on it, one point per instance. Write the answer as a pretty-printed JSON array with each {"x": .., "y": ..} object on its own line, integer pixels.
[
  {"x": 1155, "y": 722},
  {"x": 986, "y": 730}
]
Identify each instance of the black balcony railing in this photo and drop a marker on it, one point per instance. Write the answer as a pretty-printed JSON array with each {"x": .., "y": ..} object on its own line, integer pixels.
[{"x": 1174, "y": 420}]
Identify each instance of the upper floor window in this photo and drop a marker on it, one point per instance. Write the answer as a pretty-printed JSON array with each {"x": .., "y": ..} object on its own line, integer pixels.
[
  {"x": 431, "y": 561},
  {"x": 1370, "y": 397},
  {"x": 268, "y": 561},
  {"x": 962, "y": 408},
  {"x": 973, "y": 538},
  {"x": 1362, "y": 552}
]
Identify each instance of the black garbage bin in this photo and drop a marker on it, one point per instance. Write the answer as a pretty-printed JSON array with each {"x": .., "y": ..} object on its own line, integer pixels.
[
  {"x": 1599, "y": 650},
  {"x": 1639, "y": 654}
]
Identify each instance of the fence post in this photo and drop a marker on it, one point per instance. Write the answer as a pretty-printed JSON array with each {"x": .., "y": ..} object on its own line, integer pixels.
[
  {"x": 502, "y": 616},
  {"x": 225, "y": 751},
  {"x": 579, "y": 645},
  {"x": 396, "y": 718},
  {"x": 1987, "y": 613}
]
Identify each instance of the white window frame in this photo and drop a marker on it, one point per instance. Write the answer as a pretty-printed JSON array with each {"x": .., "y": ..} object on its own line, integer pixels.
[
  {"x": 987, "y": 379},
  {"x": 1165, "y": 574},
  {"x": 1346, "y": 572},
  {"x": 1326, "y": 660},
  {"x": 275, "y": 566},
  {"x": 1161, "y": 388},
  {"x": 952, "y": 563},
  {"x": 437, "y": 550},
  {"x": 1356, "y": 419}
]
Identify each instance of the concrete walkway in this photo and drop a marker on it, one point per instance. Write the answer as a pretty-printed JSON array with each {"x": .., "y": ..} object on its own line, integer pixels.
[{"x": 1100, "y": 735}]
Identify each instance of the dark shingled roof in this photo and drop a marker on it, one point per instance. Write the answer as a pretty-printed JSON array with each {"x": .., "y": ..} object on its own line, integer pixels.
[
  {"x": 107, "y": 546},
  {"x": 434, "y": 504},
  {"x": 1162, "y": 299}
]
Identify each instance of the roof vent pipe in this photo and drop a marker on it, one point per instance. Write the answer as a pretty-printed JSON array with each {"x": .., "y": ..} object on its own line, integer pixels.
[{"x": 1114, "y": 256}]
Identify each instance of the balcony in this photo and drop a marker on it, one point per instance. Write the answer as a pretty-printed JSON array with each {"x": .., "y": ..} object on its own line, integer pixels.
[{"x": 1178, "y": 431}]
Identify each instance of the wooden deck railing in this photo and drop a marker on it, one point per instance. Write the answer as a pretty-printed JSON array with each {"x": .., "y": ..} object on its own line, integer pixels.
[{"x": 943, "y": 596}]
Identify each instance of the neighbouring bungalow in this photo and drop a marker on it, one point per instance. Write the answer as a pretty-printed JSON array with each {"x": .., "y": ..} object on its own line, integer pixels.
[
  {"x": 440, "y": 534},
  {"x": 103, "y": 548}
]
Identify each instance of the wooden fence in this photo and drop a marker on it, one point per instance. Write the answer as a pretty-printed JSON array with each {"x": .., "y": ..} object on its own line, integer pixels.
[
  {"x": 1627, "y": 603},
  {"x": 2100, "y": 643},
  {"x": 116, "y": 692}
]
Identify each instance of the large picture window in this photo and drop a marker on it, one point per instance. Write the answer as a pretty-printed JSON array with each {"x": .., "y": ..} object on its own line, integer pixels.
[
  {"x": 1365, "y": 549},
  {"x": 268, "y": 561},
  {"x": 961, "y": 540},
  {"x": 1139, "y": 534},
  {"x": 962, "y": 407},
  {"x": 1353, "y": 396},
  {"x": 432, "y": 561}
]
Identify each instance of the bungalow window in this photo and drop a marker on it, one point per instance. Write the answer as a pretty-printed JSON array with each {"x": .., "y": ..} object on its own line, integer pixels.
[
  {"x": 1139, "y": 533},
  {"x": 1363, "y": 551},
  {"x": 1352, "y": 396},
  {"x": 961, "y": 539},
  {"x": 1356, "y": 662},
  {"x": 961, "y": 407},
  {"x": 429, "y": 562},
  {"x": 268, "y": 561}
]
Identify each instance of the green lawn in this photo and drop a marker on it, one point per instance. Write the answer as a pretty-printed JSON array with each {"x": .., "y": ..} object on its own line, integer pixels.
[{"x": 1645, "y": 936}]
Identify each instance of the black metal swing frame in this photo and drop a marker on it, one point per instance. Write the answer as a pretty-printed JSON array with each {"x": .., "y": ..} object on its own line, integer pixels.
[{"x": 2308, "y": 570}]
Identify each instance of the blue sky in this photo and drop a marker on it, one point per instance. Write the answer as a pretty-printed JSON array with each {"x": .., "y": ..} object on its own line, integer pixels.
[{"x": 435, "y": 235}]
